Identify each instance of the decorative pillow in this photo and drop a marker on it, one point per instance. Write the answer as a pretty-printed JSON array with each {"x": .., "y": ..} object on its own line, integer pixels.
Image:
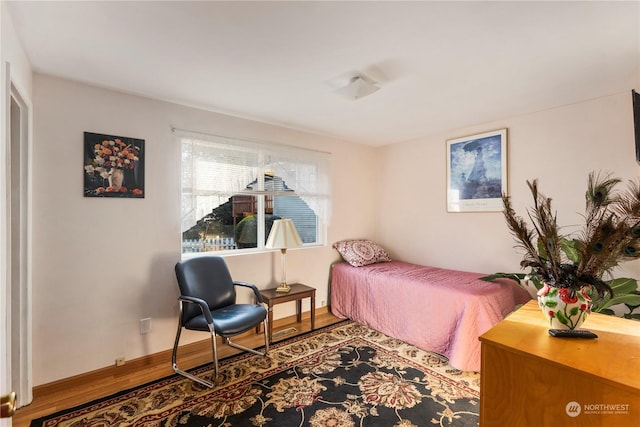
[{"x": 361, "y": 252}]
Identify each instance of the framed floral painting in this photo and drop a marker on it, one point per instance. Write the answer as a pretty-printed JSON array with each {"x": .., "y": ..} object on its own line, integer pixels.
[
  {"x": 113, "y": 166},
  {"x": 477, "y": 172}
]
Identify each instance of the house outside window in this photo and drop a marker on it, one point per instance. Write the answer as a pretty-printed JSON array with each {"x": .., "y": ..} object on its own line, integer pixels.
[{"x": 233, "y": 190}]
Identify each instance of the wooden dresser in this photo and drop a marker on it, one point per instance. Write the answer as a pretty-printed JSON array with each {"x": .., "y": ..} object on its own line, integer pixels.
[{"x": 531, "y": 379}]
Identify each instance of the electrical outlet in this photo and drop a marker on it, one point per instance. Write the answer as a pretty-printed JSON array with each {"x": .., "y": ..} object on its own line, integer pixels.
[
  {"x": 145, "y": 325},
  {"x": 323, "y": 303},
  {"x": 120, "y": 361}
]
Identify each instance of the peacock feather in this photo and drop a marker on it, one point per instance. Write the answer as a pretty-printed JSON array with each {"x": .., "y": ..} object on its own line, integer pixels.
[{"x": 611, "y": 234}]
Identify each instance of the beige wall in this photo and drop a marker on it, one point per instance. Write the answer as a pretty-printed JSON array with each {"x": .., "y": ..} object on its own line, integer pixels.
[
  {"x": 559, "y": 146},
  {"x": 100, "y": 265}
]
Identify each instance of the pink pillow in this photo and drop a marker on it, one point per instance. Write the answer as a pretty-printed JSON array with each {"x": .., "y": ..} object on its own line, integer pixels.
[{"x": 361, "y": 252}]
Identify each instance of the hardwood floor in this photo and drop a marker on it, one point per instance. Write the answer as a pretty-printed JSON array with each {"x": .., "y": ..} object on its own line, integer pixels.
[{"x": 53, "y": 397}]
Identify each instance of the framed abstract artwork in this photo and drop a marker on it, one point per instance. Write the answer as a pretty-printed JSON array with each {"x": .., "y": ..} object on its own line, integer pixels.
[
  {"x": 477, "y": 172},
  {"x": 113, "y": 166}
]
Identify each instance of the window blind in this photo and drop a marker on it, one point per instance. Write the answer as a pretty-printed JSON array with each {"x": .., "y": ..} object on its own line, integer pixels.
[{"x": 215, "y": 168}]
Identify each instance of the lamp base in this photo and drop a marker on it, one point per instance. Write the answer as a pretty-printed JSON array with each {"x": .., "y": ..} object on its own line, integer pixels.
[{"x": 283, "y": 288}]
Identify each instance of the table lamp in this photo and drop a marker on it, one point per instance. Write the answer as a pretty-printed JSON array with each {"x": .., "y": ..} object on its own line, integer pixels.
[{"x": 283, "y": 236}]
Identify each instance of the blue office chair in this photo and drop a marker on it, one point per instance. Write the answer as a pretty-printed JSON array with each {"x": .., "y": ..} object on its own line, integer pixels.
[{"x": 208, "y": 303}]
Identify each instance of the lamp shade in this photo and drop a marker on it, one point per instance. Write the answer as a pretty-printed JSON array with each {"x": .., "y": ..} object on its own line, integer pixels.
[{"x": 283, "y": 235}]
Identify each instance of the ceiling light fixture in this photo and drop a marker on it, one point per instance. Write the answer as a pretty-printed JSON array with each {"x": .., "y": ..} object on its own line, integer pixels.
[{"x": 358, "y": 87}]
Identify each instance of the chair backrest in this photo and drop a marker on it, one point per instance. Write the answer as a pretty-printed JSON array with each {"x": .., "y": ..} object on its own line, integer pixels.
[{"x": 207, "y": 278}]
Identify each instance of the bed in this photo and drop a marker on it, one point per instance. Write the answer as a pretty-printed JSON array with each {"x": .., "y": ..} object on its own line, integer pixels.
[{"x": 435, "y": 309}]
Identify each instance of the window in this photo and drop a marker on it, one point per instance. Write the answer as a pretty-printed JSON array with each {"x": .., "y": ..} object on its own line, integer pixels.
[{"x": 233, "y": 190}]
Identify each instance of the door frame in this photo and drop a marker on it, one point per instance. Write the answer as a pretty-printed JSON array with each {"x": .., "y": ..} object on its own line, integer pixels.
[
  {"x": 21, "y": 329},
  {"x": 15, "y": 286}
]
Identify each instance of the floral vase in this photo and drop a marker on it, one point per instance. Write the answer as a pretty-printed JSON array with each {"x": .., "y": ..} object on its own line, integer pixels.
[
  {"x": 562, "y": 309},
  {"x": 116, "y": 179}
]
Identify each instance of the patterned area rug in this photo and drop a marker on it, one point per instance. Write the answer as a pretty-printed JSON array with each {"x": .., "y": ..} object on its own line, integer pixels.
[{"x": 341, "y": 375}]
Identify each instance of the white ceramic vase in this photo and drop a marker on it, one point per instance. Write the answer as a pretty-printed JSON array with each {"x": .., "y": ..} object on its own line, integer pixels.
[{"x": 116, "y": 179}]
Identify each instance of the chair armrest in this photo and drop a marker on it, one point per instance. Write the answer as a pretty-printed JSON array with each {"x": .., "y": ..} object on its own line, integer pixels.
[
  {"x": 203, "y": 306},
  {"x": 251, "y": 286}
]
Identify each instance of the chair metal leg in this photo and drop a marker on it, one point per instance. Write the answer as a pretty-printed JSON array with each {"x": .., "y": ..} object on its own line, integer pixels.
[
  {"x": 214, "y": 350},
  {"x": 266, "y": 336},
  {"x": 174, "y": 358},
  {"x": 174, "y": 354},
  {"x": 228, "y": 341}
]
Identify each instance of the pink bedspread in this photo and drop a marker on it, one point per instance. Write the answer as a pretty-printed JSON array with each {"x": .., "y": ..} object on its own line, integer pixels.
[{"x": 435, "y": 309}]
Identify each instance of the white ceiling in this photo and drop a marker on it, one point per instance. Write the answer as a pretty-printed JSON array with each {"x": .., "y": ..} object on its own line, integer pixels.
[{"x": 440, "y": 65}]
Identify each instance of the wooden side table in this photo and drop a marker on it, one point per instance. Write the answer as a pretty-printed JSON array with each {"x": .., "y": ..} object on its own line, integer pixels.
[{"x": 297, "y": 293}]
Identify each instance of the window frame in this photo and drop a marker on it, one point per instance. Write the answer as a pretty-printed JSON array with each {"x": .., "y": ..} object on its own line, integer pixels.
[{"x": 272, "y": 150}]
